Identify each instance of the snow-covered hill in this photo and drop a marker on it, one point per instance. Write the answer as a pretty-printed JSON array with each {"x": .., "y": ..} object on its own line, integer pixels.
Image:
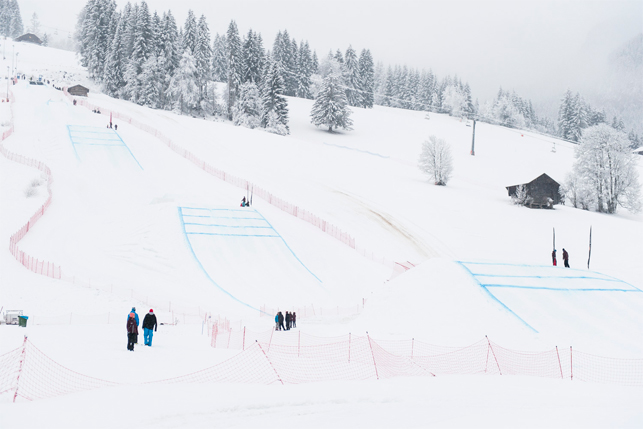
[{"x": 118, "y": 222}]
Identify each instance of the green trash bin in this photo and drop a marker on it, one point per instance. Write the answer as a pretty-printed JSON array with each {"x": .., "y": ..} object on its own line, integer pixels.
[{"x": 22, "y": 321}]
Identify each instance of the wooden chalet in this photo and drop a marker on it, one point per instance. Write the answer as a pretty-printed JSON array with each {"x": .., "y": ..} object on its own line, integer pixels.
[
  {"x": 78, "y": 90},
  {"x": 31, "y": 38},
  {"x": 541, "y": 193}
]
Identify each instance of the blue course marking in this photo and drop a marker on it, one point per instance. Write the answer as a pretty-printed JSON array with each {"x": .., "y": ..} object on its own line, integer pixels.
[
  {"x": 561, "y": 289},
  {"x": 496, "y": 299},
  {"x": 72, "y": 142},
  {"x": 293, "y": 253},
  {"x": 227, "y": 226},
  {"x": 206, "y": 273},
  {"x": 236, "y": 235},
  {"x": 72, "y": 128},
  {"x": 244, "y": 218},
  {"x": 98, "y": 144},
  {"x": 214, "y": 210},
  {"x": 358, "y": 150},
  {"x": 93, "y": 139}
]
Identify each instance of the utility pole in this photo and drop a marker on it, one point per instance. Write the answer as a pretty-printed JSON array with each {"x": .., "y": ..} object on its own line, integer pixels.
[{"x": 473, "y": 140}]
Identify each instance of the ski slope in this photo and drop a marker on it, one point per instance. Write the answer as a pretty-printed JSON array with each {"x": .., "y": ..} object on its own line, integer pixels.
[{"x": 124, "y": 220}]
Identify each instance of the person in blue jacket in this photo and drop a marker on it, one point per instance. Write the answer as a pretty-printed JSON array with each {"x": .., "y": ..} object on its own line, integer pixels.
[
  {"x": 277, "y": 322},
  {"x": 137, "y": 324}
]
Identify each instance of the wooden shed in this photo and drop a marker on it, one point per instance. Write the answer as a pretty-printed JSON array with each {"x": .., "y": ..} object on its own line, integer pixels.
[
  {"x": 78, "y": 90},
  {"x": 31, "y": 38},
  {"x": 540, "y": 193}
]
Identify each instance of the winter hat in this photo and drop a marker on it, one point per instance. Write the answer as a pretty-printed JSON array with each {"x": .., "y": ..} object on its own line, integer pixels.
[
  {"x": 151, "y": 311},
  {"x": 133, "y": 308},
  {"x": 131, "y": 315}
]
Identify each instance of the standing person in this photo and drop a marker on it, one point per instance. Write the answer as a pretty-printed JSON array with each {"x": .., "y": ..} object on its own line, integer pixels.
[
  {"x": 149, "y": 323},
  {"x": 136, "y": 318},
  {"x": 294, "y": 319},
  {"x": 277, "y": 322},
  {"x": 553, "y": 257},
  {"x": 115, "y": 127},
  {"x": 288, "y": 320},
  {"x": 281, "y": 322},
  {"x": 565, "y": 258},
  {"x": 243, "y": 202},
  {"x": 132, "y": 331}
]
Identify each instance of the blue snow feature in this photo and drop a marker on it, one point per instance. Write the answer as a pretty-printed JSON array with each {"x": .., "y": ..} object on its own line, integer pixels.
[
  {"x": 95, "y": 136},
  {"x": 187, "y": 239},
  {"x": 358, "y": 150},
  {"x": 493, "y": 297}
]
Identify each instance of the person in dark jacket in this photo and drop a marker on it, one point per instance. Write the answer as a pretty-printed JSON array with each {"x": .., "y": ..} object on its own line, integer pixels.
[
  {"x": 288, "y": 320},
  {"x": 149, "y": 323},
  {"x": 132, "y": 331},
  {"x": 293, "y": 319},
  {"x": 137, "y": 323},
  {"x": 281, "y": 321},
  {"x": 566, "y": 258},
  {"x": 553, "y": 257}
]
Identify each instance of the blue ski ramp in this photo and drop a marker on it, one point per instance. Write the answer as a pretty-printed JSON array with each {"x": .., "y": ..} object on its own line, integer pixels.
[
  {"x": 101, "y": 146},
  {"x": 556, "y": 299},
  {"x": 246, "y": 258}
]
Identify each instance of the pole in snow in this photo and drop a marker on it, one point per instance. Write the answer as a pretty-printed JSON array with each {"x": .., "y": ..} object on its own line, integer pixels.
[
  {"x": 473, "y": 140},
  {"x": 590, "y": 246}
]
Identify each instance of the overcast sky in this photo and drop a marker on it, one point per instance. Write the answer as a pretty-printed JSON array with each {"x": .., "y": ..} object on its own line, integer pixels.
[{"x": 538, "y": 48}]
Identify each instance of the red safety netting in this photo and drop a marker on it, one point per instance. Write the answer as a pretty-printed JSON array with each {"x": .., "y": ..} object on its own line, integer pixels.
[
  {"x": 28, "y": 373},
  {"x": 45, "y": 268},
  {"x": 287, "y": 207}
]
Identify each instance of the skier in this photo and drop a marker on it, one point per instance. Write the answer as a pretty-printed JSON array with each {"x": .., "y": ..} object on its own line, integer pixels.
[
  {"x": 288, "y": 320},
  {"x": 566, "y": 258},
  {"x": 132, "y": 331},
  {"x": 149, "y": 323},
  {"x": 135, "y": 317},
  {"x": 281, "y": 322},
  {"x": 244, "y": 203},
  {"x": 553, "y": 257},
  {"x": 293, "y": 319}
]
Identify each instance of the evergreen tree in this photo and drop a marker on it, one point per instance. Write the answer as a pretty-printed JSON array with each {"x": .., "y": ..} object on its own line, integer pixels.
[
  {"x": 330, "y": 108},
  {"x": 219, "y": 59},
  {"x": 203, "y": 55},
  {"x": 168, "y": 58},
  {"x": 114, "y": 73},
  {"x": 315, "y": 63},
  {"x": 304, "y": 71},
  {"x": 183, "y": 90},
  {"x": 253, "y": 57},
  {"x": 275, "y": 106},
  {"x": 247, "y": 111},
  {"x": 366, "y": 79},
  {"x": 190, "y": 34},
  {"x": 150, "y": 83},
  {"x": 141, "y": 49},
  {"x": 235, "y": 64},
  {"x": 95, "y": 23},
  {"x": 15, "y": 27},
  {"x": 352, "y": 78}
]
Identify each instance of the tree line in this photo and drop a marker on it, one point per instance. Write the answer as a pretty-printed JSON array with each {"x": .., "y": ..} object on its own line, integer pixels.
[{"x": 10, "y": 19}]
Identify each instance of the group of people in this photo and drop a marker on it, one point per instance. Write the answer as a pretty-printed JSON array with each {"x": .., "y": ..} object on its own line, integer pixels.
[
  {"x": 149, "y": 327},
  {"x": 244, "y": 202},
  {"x": 565, "y": 258},
  {"x": 291, "y": 321},
  {"x": 110, "y": 126}
]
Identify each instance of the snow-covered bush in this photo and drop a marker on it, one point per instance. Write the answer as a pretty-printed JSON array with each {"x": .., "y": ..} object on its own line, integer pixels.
[
  {"x": 274, "y": 124},
  {"x": 521, "y": 197},
  {"x": 436, "y": 160},
  {"x": 454, "y": 101}
]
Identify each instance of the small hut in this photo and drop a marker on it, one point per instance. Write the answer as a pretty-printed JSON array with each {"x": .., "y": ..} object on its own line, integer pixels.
[
  {"x": 540, "y": 193},
  {"x": 31, "y": 38},
  {"x": 78, "y": 90}
]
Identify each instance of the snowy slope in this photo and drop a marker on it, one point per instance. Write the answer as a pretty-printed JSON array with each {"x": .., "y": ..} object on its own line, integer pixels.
[{"x": 115, "y": 223}]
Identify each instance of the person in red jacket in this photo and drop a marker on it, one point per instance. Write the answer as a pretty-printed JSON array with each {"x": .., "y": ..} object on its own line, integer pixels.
[
  {"x": 553, "y": 257},
  {"x": 132, "y": 332}
]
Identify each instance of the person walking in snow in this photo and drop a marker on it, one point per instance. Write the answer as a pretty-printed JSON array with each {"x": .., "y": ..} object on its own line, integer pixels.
[
  {"x": 293, "y": 319},
  {"x": 149, "y": 323},
  {"x": 553, "y": 257},
  {"x": 132, "y": 331},
  {"x": 277, "y": 322},
  {"x": 281, "y": 322},
  {"x": 136, "y": 318},
  {"x": 288, "y": 320},
  {"x": 565, "y": 258}
]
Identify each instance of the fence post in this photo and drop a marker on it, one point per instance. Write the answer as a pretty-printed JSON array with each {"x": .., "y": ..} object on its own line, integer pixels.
[
  {"x": 372, "y": 354},
  {"x": 571, "y": 364},
  {"x": 559, "y": 365},
  {"x": 494, "y": 354},
  {"x": 22, "y": 361}
]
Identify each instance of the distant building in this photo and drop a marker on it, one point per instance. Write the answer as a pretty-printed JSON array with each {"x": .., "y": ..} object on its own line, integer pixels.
[
  {"x": 78, "y": 90},
  {"x": 31, "y": 38},
  {"x": 540, "y": 193}
]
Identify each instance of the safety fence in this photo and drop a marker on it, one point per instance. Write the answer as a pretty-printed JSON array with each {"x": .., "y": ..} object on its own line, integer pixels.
[
  {"x": 28, "y": 373},
  {"x": 285, "y": 206},
  {"x": 45, "y": 268}
]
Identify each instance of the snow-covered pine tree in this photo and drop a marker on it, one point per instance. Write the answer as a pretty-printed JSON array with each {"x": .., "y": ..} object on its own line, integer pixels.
[
  {"x": 150, "y": 83},
  {"x": 183, "y": 90},
  {"x": 253, "y": 57},
  {"x": 168, "y": 59},
  {"x": 274, "y": 115},
  {"x": 366, "y": 78},
  {"x": 304, "y": 71},
  {"x": 203, "y": 55},
  {"x": 352, "y": 78},
  {"x": 436, "y": 160},
  {"x": 454, "y": 101},
  {"x": 219, "y": 59},
  {"x": 330, "y": 108},
  {"x": 16, "y": 28},
  {"x": 114, "y": 73},
  {"x": 247, "y": 111},
  {"x": 95, "y": 23},
  {"x": 190, "y": 34},
  {"x": 234, "y": 55},
  {"x": 315, "y": 63},
  {"x": 156, "y": 28},
  {"x": 141, "y": 48}
]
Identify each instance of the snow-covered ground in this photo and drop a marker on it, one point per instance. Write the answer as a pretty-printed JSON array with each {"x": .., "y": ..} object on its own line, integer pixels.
[{"x": 118, "y": 224}]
